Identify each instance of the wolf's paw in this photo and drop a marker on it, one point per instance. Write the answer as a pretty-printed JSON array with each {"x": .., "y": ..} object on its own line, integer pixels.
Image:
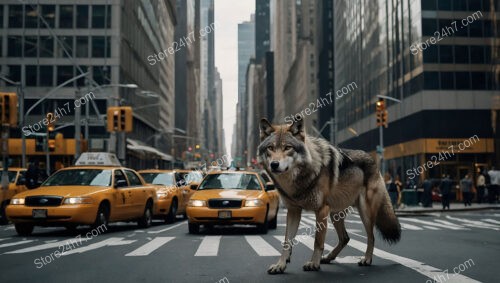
[
  {"x": 365, "y": 262},
  {"x": 311, "y": 266},
  {"x": 277, "y": 268},
  {"x": 326, "y": 260}
]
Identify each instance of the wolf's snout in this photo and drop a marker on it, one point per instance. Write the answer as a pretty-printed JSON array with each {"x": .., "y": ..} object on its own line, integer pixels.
[{"x": 275, "y": 165}]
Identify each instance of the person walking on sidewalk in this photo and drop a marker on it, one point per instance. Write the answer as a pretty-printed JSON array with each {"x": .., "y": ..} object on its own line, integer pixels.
[
  {"x": 480, "y": 185},
  {"x": 445, "y": 188},
  {"x": 494, "y": 185},
  {"x": 427, "y": 197},
  {"x": 392, "y": 189},
  {"x": 466, "y": 188}
]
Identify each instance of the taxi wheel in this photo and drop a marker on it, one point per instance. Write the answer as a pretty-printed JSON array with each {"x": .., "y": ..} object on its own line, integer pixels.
[
  {"x": 274, "y": 223},
  {"x": 147, "y": 218},
  {"x": 194, "y": 228},
  {"x": 102, "y": 217},
  {"x": 24, "y": 229},
  {"x": 170, "y": 217},
  {"x": 264, "y": 227}
]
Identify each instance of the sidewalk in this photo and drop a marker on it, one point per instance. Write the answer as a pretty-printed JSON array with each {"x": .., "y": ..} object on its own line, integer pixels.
[{"x": 437, "y": 207}]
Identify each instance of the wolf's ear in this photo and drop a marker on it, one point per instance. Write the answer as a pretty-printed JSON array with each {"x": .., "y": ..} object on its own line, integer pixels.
[
  {"x": 297, "y": 129},
  {"x": 266, "y": 128}
]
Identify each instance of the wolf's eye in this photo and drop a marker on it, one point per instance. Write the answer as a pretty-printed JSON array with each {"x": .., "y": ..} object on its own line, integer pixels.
[
  {"x": 288, "y": 147},
  {"x": 270, "y": 148}
]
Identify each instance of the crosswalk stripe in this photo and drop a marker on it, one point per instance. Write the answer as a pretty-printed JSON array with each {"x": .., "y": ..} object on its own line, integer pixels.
[
  {"x": 491, "y": 221},
  {"x": 420, "y": 267},
  {"x": 16, "y": 243},
  {"x": 407, "y": 226},
  {"x": 431, "y": 228},
  {"x": 150, "y": 247},
  {"x": 428, "y": 223},
  {"x": 71, "y": 241},
  {"x": 166, "y": 229},
  {"x": 209, "y": 246},
  {"x": 92, "y": 246},
  {"x": 261, "y": 247},
  {"x": 472, "y": 223},
  {"x": 3, "y": 239}
]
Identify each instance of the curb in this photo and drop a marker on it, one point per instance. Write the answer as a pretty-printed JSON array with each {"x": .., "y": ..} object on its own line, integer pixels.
[{"x": 416, "y": 211}]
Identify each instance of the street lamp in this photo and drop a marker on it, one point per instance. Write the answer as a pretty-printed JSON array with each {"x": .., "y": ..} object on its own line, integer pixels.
[{"x": 380, "y": 150}]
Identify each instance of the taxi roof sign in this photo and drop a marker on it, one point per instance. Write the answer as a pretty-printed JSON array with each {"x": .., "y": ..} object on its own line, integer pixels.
[{"x": 98, "y": 158}]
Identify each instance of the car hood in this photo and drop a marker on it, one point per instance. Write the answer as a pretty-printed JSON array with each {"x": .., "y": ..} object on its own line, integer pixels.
[
  {"x": 64, "y": 191},
  {"x": 227, "y": 193}
]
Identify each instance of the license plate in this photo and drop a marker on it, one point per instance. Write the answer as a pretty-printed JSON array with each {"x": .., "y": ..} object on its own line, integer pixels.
[
  {"x": 39, "y": 213},
  {"x": 224, "y": 214}
]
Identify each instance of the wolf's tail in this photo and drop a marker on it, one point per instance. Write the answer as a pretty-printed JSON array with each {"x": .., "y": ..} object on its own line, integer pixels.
[{"x": 387, "y": 222}]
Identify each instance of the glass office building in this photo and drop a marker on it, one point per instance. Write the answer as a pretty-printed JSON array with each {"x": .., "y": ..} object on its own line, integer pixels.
[{"x": 440, "y": 58}]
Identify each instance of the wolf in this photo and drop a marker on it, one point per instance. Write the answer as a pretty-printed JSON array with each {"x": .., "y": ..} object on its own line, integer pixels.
[{"x": 311, "y": 174}]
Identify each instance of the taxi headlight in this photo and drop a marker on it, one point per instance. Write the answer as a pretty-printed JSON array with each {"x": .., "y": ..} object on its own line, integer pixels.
[
  {"x": 197, "y": 203},
  {"x": 163, "y": 194},
  {"x": 17, "y": 201},
  {"x": 78, "y": 200},
  {"x": 254, "y": 202}
]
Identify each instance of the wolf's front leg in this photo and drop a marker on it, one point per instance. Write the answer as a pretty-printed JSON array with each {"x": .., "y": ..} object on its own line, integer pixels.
[
  {"x": 292, "y": 225},
  {"x": 319, "y": 240}
]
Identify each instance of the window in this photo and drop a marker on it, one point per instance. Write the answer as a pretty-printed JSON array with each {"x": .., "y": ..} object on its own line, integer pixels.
[
  {"x": 46, "y": 46},
  {"x": 82, "y": 46},
  {"x": 447, "y": 80},
  {"x": 81, "y": 81},
  {"x": 67, "y": 42},
  {"x": 461, "y": 54},
  {"x": 82, "y": 16},
  {"x": 15, "y": 46},
  {"x": 445, "y": 54},
  {"x": 474, "y": 5},
  {"x": 30, "y": 46},
  {"x": 45, "y": 76},
  {"x": 49, "y": 15},
  {"x": 479, "y": 80},
  {"x": 477, "y": 55},
  {"x": 100, "y": 74},
  {"x": 476, "y": 29},
  {"x": 444, "y": 5},
  {"x": 64, "y": 73},
  {"x": 431, "y": 80},
  {"x": 119, "y": 176},
  {"x": 429, "y": 5},
  {"x": 100, "y": 47},
  {"x": 431, "y": 54},
  {"x": 101, "y": 16},
  {"x": 460, "y": 5},
  {"x": 66, "y": 16},
  {"x": 429, "y": 26},
  {"x": 462, "y": 80},
  {"x": 14, "y": 73},
  {"x": 133, "y": 179},
  {"x": 31, "y": 16},
  {"x": 15, "y": 16},
  {"x": 30, "y": 72},
  {"x": 1, "y": 17}
]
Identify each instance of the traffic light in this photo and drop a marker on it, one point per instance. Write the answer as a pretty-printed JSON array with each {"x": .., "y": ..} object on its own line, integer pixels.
[
  {"x": 197, "y": 146},
  {"x": 113, "y": 117},
  {"x": 50, "y": 123},
  {"x": 52, "y": 145},
  {"x": 385, "y": 118},
  {"x": 380, "y": 110},
  {"x": 126, "y": 119},
  {"x": 8, "y": 108}
]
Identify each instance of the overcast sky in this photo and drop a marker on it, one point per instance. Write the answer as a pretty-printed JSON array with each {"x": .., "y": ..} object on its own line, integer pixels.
[{"x": 228, "y": 14}]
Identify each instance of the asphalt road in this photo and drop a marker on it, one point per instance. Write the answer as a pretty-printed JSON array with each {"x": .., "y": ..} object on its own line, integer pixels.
[{"x": 432, "y": 246}]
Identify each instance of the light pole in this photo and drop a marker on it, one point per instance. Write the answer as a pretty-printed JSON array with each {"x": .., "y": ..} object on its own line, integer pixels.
[
  {"x": 20, "y": 93},
  {"x": 380, "y": 150}
]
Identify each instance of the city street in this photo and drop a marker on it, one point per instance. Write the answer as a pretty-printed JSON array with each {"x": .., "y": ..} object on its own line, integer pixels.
[{"x": 432, "y": 246}]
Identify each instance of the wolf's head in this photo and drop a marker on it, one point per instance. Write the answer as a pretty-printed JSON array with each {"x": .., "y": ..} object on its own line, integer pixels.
[{"x": 281, "y": 146}]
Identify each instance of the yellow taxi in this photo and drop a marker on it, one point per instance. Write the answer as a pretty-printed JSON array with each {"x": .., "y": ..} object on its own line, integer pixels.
[
  {"x": 233, "y": 197},
  {"x": 17, "y": 184},
  {"x": 96, "y": 191}
]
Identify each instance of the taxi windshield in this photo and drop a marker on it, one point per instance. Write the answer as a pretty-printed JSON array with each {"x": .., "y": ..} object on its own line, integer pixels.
[
  {"x": 166, "y": 179},
  {"x": 80, "y": 177},
  {"x": 230, "y": 181},
  {"x": 12, "y": 176}
]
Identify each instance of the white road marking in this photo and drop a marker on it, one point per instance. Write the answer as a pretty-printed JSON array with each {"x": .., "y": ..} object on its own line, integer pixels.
[
  {"x": 261, "y": 247},
  {"x": 16, "y": 243},
  {"x": 420, "y": 267},
  {"x": 71, "y": 241},
  {"x": 151, "y": 246},
  {"x": 491, "y": 221},
  {"x": 452, "y": 226},
  {"x": 407, "y": 226},
  {"x": 4, "y": 239},
  {"x": 121, "y": 243},
  {"x": 93, "y": 246},
  {"x": 477, "y": 224},
  {"x": 308, "y": 241},
  {"x": 166, "y": 229},
  {"x": 209, "y": 246},
  {"x": 353, "y": 221},
  {"x": 431, "y": 228},
  {"x": 281, "y": 225}
]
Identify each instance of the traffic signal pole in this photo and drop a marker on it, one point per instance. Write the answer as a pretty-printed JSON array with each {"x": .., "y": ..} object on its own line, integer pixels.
[
  {"x": 5, "y": 156},
  {"x": 78, "y": 128}
]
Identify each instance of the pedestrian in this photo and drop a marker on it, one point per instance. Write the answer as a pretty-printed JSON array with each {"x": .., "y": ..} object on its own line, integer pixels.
[
  {"x": 392, "y": 189},
  {"x": 399, "y": 186},
  {"x": 466, "y": 189},
  {"x": 480, "y": 185},
  {"x": 445, "y": 188},
  {"x": 494, "y": 185},
  {"x": 32, "y": 175},
  {"x": 427, "y": 196}
]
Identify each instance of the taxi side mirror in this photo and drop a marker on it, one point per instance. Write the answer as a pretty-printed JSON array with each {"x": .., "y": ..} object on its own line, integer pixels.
[
  {"x": 193, "y": 187},
  {"x": 120, "y": 183},
  {"x": 270, "y": 186}
]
